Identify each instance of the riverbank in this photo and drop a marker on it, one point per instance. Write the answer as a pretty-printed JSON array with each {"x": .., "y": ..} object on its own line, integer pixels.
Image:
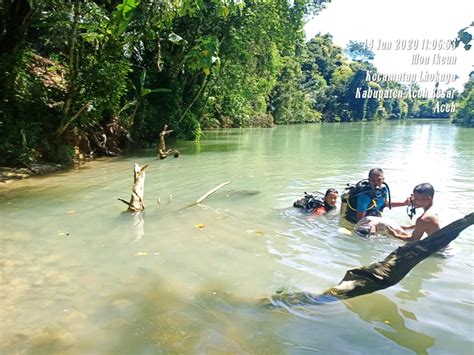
[{"x": 9, "y": 174}]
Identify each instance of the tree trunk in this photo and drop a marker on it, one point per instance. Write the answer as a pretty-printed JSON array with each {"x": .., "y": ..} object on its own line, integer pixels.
[
  {"x": 14, "y": 26},
  {"x": 73, "y": 70},
  {"x": 137, "y": 203}
]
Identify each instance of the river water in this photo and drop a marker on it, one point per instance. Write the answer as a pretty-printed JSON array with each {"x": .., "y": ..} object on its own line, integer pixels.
[{"x": 79, "y": 276}]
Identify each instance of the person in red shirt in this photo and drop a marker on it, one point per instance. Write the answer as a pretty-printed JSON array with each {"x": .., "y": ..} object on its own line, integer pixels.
[{"x": 330, "y": 200}]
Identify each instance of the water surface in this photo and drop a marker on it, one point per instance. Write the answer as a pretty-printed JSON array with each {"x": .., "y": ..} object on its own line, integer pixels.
[{"x": 80, "y": 276}]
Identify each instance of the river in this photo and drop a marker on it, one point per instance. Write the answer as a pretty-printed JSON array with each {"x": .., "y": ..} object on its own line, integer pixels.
[{"x": 79, "y": 276}]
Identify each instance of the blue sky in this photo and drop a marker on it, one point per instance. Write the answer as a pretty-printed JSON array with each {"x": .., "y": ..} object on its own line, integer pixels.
[{"x": 390, "y": 21}]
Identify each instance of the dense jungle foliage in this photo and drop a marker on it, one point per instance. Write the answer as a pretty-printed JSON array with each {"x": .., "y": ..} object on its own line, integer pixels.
[{"x": 94, "y": 77}]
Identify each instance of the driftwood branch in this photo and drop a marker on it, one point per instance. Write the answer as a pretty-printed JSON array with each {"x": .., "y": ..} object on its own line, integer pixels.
[
  {"x": 126, "y": 202},
  {"x": 207, "y": 194},
  {"x": 138, "y": 190},
  {"x": 383, "y": 274},
  {"x": 210, "y": 192}
]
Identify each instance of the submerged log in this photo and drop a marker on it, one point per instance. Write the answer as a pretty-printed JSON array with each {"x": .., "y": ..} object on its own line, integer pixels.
[
  {"x": 382, "y": 274},
  {"x": 138, "y": 190}
]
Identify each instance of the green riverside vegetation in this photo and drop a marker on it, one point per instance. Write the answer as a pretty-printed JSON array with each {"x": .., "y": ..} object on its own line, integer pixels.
[{"x": 95, "y": 77}]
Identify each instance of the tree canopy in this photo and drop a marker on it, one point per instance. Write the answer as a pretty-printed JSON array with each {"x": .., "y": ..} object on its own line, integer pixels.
[{"x": 97, "y": 76}]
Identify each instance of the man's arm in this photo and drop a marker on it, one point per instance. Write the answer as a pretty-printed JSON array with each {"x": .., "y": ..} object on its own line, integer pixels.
[
  {"x": 400, "y": 234},
  {"x": 421, "y": 227},
  {"x": 400, "y": 204},
  {"x": 407, "y": 202}
]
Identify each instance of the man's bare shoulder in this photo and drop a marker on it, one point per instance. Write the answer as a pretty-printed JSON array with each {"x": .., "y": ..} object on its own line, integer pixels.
[
  {"x": 429, "y": 222},
  {"x": 430, "y": 216}
]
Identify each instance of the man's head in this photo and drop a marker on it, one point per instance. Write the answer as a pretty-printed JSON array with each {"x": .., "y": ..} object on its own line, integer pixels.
[
  {"x": 423, "y": 195},
  {"x": 330, "y": 198},
  {"x": 376, "y": 178}
]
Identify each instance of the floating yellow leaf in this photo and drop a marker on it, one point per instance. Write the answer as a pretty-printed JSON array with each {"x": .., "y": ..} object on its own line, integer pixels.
[
  {"x": 199, "y": 226},
  {"x": 139, "y": 253}
]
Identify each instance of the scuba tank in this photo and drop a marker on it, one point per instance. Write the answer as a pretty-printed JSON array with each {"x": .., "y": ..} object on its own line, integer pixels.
[
  {"x": 344, "y": 201},
  {"x": 309, "y": 202},
  {"x": 351, "y": 193}
]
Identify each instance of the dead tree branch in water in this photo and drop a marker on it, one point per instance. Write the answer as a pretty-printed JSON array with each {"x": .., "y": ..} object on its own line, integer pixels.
[
  {"x": 137, "y": 203},
  {"x": 207, "y": 194},
  {"x": 162, "y": 151}
]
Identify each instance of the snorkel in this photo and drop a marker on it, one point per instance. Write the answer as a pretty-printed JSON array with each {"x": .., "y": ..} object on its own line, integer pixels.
[
  {"x": 377, "y": 184},
  {"x": 378, "y": 191},
  {"x": 411, "y": 208}
]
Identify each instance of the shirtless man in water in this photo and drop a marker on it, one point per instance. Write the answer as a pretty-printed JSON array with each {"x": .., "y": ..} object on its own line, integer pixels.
[{"x": 427, "y": 223}]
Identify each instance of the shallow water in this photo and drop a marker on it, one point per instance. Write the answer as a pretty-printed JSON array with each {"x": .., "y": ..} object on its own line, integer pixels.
[{"x": 80, "y": 276}]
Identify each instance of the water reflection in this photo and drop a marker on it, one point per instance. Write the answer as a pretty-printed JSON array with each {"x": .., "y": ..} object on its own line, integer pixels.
[
  {"x": 138, "y": 225},
  {"x": 388, "y": 321},
  {"x": 427, "y": 270}
]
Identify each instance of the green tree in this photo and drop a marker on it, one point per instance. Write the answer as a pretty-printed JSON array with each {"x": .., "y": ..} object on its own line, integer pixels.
[{"x": 464, "y": 113}]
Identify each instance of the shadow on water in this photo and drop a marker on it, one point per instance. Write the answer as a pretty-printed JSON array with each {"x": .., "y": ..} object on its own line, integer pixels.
[
  {"x": 388, "y": 321},
  {"x": 157, "y": 320},
  {"x": 151, "y": 315}
]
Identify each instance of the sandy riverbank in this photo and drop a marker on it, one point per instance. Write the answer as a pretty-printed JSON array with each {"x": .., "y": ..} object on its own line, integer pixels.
[{"x": 9, "y": 174}]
